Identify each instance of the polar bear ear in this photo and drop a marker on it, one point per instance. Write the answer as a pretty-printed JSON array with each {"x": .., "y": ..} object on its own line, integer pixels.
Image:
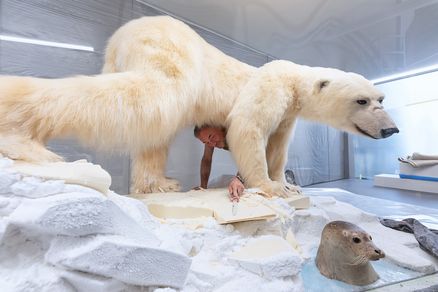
[{"x": 320, "y": 84}]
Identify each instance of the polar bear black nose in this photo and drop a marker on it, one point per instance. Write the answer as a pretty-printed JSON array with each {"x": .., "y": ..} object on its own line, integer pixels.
[{"x": 388, "y": 132}]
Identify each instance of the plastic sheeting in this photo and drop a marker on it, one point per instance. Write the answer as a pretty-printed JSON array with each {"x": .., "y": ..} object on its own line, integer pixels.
[
  {"x": 316, "y": 154},
  {"x": 380, "y": 207}
]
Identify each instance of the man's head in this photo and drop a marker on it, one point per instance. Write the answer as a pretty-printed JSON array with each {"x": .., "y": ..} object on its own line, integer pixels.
[{"x": 211, "y": 136}]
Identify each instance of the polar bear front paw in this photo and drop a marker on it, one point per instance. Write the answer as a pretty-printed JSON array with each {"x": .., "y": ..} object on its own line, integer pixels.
[
  {"x": 283, "y": 190},
  {"x": 294, "y": 189}
]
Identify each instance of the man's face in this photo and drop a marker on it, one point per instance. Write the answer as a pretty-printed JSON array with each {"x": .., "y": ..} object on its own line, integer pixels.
[{"x": 212, "y": 137}]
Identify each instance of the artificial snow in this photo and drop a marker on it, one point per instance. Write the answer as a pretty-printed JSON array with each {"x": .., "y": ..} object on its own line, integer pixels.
[
  {"x": 62, "y": 237},
  {"x": 120, "y": 258}
]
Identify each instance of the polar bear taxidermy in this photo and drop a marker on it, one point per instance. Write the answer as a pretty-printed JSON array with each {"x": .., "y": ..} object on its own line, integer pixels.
[{"x": 160, "y": 76}]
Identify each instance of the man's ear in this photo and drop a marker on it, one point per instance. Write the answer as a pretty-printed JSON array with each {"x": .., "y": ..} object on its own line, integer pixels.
[{"x": 320, "y": 84}]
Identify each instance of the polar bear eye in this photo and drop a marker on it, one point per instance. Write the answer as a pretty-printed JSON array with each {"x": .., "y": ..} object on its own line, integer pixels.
[
  {"x": 362, "y": 101},
  {"x": 356, "y": 240},
  {"x": 323, "y": 84}
]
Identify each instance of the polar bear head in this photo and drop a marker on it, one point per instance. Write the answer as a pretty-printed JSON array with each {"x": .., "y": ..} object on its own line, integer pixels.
[{"x": 349, "y": 102}]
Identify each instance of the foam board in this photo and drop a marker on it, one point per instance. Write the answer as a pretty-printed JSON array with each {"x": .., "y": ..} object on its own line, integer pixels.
[
  {"x": 79, "y": 172},
  {"x": 394, "y": 181},
  {"x": 204, "y": 203}
]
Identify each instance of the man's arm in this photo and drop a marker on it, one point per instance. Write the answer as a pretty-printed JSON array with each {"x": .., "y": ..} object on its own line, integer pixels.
[{"x": 206, "y": 165}]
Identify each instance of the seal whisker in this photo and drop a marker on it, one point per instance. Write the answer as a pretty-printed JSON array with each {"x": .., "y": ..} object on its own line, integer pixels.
[
  {"x": 356, "y": 260},
  {"x": 364, "y": 259}
]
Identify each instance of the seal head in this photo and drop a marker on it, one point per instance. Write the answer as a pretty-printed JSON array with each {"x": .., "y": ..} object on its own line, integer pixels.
[{"x": 344, "y": 254}]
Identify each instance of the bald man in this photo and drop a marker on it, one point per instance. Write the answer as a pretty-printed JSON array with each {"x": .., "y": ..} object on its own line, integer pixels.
[{"x": 214, "y": 137}]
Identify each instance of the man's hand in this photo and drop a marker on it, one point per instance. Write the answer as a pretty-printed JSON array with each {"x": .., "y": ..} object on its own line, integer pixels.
[{"x": 235, "y": 189}]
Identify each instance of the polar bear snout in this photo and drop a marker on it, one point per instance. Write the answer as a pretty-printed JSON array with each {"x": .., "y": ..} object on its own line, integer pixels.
[
  {"x": 385, "y": 125},
  {"x": 385, "y": 133},
  {"x": 376, "y": 124}
]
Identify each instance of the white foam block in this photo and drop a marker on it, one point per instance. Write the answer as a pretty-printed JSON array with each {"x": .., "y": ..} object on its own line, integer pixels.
[
  {"x": 394, "y": 181},
  {"x": 78, "y": 214},
  {"x": 298, "y": 202},
  {"x": 88, "y": 282},
  {"x": 269, "y": 256},
  {"x": 136, "y": 209},
  {"x": 120, "y": 258},
  {"x": 79, "y": 172}
]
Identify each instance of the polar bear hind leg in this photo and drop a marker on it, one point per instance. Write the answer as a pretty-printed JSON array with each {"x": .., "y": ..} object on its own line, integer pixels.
[
  {"x": 148, "y": 172},
  {"x": 18, "y": 147}
]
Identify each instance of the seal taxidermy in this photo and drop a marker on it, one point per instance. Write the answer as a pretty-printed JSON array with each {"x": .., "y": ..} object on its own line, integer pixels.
[{"x": 344, "y": 254}]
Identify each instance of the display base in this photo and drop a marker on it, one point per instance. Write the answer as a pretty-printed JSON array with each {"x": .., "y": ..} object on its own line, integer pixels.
[{"x": 394, "y": 181}]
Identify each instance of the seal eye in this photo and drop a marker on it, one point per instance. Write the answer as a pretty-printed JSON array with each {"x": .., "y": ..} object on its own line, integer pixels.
[
  {"x": 356, "y": 240},
  {"x": 371, "y": 238},
  {"x": 362, "y": 101}
]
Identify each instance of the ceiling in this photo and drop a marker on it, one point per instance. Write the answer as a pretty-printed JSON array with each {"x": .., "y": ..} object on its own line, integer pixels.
[{"x": 371, "y": 37}]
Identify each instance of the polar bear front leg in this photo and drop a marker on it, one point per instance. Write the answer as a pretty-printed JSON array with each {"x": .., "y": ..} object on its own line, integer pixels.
[
  {"x": 276, "y": 155},
  {"x": 248, "y": 146},
  {"x": 148, "y": 172}
]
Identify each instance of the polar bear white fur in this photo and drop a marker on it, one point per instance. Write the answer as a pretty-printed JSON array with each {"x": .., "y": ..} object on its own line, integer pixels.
[{"x": 161, "y": 76}]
